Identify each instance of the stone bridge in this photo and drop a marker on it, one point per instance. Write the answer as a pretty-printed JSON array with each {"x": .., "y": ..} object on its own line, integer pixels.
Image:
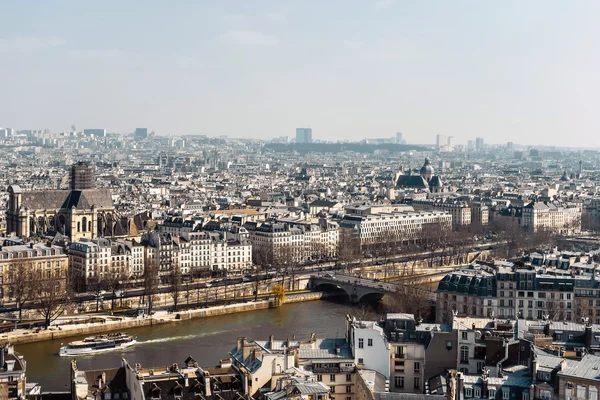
[{"x": 359, "y": 289}]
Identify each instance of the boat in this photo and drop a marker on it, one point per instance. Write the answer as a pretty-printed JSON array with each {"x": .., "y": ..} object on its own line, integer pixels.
[{"x": 98, "y": 344}]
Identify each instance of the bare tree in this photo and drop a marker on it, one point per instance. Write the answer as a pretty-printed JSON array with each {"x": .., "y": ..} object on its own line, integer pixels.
[
  {"x": 150, "y": 279},
  {"x": 412, "y": 299},
  {"x": 553, "y": 306},
  {"x": 262, "y": 257},
  {"x": 97, "y": 286},
  {"x": 175, "y": 284},
  {"x": 115, "y": 282},
  {"x": 348, "y": 246},
  {"x": 53, "y": 298},
  {"x": 22, "y": 284}
]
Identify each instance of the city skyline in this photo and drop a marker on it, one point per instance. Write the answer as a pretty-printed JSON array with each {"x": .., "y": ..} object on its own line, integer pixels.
[{"x": 518, "y": 72}]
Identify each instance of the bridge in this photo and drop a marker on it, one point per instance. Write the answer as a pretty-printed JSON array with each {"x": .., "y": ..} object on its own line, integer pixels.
[
  {"x": 361, "y": 289},
  {"x": 357, "y": 289}
]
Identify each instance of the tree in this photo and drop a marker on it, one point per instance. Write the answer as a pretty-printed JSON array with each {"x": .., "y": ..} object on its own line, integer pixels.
[
  {"x": 279, "y": 293},
  {"x": 115, "y": 282},
  {"x": 348, "y": 246},
  {"x": 554, "y": 307},
  {"x": 150, "y": 279},
  {"x": 261, "y": 257},
  {"x": 175, "y": 284},
  {"x": 387, "y": 244},
  {"x": 22, "y": 284},
  {"x": 412, "y": 299},
  {"x": 52, "y": 298},
  {"x": 97, "y": 286}
]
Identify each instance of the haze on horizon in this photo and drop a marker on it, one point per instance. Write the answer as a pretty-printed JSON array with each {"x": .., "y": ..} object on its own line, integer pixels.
[{"x": 521, "y": 71}]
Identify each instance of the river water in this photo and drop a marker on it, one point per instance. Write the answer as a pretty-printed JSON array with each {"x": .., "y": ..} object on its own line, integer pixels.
[{"x": 206, "y": 340}]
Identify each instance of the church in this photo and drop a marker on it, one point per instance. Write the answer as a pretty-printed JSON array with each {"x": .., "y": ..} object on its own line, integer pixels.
[
  {"x": 426, "y": 180},
  {"x": 80, "y": 212}
]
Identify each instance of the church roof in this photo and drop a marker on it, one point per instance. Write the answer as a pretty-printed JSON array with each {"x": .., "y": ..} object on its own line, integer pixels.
[
  {"x": 63, "y": 199},
  {"x": 412, "y": 181}
]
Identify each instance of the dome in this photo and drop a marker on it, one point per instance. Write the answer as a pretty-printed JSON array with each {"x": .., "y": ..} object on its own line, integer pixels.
[{"x": 427, "y": 168}]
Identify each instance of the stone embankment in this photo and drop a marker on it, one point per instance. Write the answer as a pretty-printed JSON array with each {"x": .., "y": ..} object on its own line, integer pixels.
[{"x": 67, "y": 328}]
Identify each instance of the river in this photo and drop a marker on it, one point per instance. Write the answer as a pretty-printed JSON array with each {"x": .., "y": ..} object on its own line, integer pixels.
[{"x": 207, "y": 340}]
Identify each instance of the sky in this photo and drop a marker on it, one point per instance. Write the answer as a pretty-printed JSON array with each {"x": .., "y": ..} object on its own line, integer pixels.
[{"x": 526, "y": 71}]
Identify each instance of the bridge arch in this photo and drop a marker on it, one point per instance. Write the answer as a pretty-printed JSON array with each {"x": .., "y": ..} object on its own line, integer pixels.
[
  {"x": 331, "y": 288},
  {"x": 371, "y": 297}
]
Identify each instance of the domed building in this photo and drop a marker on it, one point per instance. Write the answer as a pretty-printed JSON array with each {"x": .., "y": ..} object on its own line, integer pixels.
[
  {"x": 427, "y": 170},
  {"x": 426, "y": 180}
]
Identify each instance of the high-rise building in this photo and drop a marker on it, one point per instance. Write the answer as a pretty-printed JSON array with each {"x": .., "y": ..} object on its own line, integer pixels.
[
  {"x": 82, "y": 176},
  {"x": 470, "y": 145},
  {"x": 479, "y": 144},
  {"x": 141, "y": 133},
  {"x": 450, "y": 143},
  {"x": 304, "y": 135},
  {"x": 399, "y": 138},
  {"x": 440, "y": 141}
]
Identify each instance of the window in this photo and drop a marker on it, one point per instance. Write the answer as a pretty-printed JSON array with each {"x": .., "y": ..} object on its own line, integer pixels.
[
  {"x": 348, "y": 389},
  {"x": 593, "y": 395},
  {"x": 468, "y": 392},
  {"x": 505, "y": 394},
  {"x": 525, "y": 396},
  {"x": 545, "y": 395},
  {"x": 477, "y": 392},
  {"x": 332, "y": 377},
  {"x": 417, "y": 367},
  {"x": 581, "y": 391},
  {"x": 399, "y": 382},
  {"x": 360, "y": 361},
  {"x": 319, "y": 378},
  {"x": 464, "y": 335},
  {"x": 417, "y": 382},
  {"x": 369, "y": 342},
  {"x": 361, "y": 343},
  {"x": 492, "y": 394},
  {"x": 332, "y": 389},
  {"x": 464, "y": 354}
]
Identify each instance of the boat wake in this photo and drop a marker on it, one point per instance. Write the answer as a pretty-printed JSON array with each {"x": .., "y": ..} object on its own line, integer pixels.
[{"x": 178, "y": 338}]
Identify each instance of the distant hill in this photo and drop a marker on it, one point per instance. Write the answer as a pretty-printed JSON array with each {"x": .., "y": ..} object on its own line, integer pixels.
[{"x": 339, "y": 147}]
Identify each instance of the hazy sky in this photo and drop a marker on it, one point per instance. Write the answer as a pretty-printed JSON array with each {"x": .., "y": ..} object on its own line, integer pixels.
[{"x": 524, "y": 71}]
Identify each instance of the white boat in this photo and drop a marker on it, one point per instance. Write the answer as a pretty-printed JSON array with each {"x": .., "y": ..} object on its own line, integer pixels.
[{"x": 98, "y": 344}]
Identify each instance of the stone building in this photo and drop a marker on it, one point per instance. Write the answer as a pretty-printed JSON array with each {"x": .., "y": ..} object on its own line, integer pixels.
[
  {"x": 13, "y": 378},
  {"x": 77, "y": 213},
  {"x": 39, "y": 260}
]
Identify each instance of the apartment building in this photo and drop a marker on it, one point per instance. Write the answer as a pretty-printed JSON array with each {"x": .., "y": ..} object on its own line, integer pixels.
[
  {"x": 470, "y": 291},
  {"x": 31, "y": 261},
  {"x": 409, "y": 225},
  {"x": 294, "y": 240},
  {"x": 460, "y": 211},
  {"x": 101, "y": 259},
  {"x": 563, "y": 217}
]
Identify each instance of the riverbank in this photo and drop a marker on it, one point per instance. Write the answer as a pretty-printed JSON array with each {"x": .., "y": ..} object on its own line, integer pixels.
[{"x": 70, "y": 328}]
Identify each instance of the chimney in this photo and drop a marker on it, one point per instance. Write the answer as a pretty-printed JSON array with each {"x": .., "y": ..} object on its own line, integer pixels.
[
  {"x": 207, "y": 391},
  {"x": 240, "y": 343},
  {"x": 2, "y": 350},
  {"x": 271, "y": 340},
  {"x": 587, "y": 334}
]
